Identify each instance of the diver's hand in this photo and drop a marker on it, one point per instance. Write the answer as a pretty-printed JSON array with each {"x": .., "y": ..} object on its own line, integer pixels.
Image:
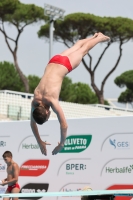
[
  {"x": 57, "y": 149},
  {"x": 42, "y": 146}
]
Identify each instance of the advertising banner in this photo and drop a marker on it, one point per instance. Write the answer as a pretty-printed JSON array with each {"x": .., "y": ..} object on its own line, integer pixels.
[{"x": 98, "y": 152}]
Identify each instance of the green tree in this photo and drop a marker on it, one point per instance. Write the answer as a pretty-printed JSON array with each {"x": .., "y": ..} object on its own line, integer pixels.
[
  {"x": 65, "y": 88},
  {"x": 77, "y": 92},
  {"x": 126, "y": 97},
  {"x": 125, "y": 80},
  {"x": 33, "y": 82},
  {"x": 79, "y": 26},
  {"x": 9, "y": 7},
  {"x": 81, "y": 93},
  {"x": 9, "y": 78},
  {"x": 18, "y": 15}
]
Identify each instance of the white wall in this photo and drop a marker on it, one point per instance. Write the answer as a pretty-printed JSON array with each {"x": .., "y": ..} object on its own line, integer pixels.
[{"x": 100, "y": 165}]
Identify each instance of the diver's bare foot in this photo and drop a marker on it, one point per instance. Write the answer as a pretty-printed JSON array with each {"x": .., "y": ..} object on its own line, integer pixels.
[
  {"x": 103, "y": 38},
  {"x": 95, "y": 35}
]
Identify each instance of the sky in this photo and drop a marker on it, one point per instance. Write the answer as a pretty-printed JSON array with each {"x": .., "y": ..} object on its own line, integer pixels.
[{"x": 33, "y": 52}]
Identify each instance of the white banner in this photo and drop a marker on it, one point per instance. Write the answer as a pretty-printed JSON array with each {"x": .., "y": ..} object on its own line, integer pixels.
[{"x": 97, "y": 153}]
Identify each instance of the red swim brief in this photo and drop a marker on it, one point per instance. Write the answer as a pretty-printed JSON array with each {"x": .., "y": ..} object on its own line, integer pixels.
[
  {"x": 62, "y": 60},
  {"x": 10, "y": 187}
]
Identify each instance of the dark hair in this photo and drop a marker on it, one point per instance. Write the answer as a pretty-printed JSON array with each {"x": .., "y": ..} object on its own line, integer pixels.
[
  {"x": 39, "y": 115},
  {"x": 7, "y": 154}
]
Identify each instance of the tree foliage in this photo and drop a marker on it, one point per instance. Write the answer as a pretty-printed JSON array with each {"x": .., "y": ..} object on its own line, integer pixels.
[
  {"x": 81, "y": 25},
  {"x": 125, "y": 80},
  {"x": 33, "y": 82},
  {"x": 9, "y": 78},
  {"x": 7, "y": 7},
  {"x": 65, "y": 89},
  {"x": 19, "y": 15},
  {"x": 81, "y": 93},
  {"x": 77, "y": 92},
  {"x": 25, "y": 14},
  {"x": 126, "y": 96}
]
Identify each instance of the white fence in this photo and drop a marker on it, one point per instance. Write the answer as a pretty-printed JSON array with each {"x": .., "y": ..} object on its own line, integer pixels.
[{"x": 17, "y": 106}]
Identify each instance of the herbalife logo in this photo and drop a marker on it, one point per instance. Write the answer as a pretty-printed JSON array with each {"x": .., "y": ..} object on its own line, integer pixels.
[
  {"x": 30, "y": 146},
  {"x": 76, "y": 143},
  {"x": 121, "y": 170},
  {"x": 119, "y": 144}
]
